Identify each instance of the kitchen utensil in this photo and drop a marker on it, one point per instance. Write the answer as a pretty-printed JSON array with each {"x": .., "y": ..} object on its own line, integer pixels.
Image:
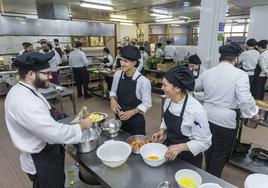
[
  {"x": 259, "y": 153},
  {"x": 189, "y": 174},
  {"x": 112, "y": 126},
  {"x": 100, "y": 122},
  {"x": 114, "y": 153},
  {"x": 155, "y": 151},
  {"x": 165, "y": 184},
  {"x": 89, "y": 140},
  {"x": 136, "y": 142},
  {"x": 210, "y": 185}
]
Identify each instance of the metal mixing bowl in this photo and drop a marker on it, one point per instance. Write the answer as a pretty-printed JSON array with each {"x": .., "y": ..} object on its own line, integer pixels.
[
  {"x": 99, "y": 123},
  {"x": 137, "y": 138},
  {"x": 112, "y": 126}
]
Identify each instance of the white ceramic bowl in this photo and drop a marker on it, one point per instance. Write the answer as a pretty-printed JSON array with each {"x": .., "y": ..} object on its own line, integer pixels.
[
  {"x": 153, "y": 149},
  {"x": 187, "y": 173},
  {"x": 210, "y": 185},
  {"x": 256, "y": 181},
  {"x": 114, "y": 153}
]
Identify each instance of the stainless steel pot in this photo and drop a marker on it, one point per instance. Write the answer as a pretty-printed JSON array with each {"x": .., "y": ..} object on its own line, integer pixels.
[
  {"x": 89, "y": 140},
  {"x": 112, "y": 127}
]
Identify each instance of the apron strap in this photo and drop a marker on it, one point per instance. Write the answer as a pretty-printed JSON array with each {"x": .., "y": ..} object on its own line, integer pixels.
[
  {"x": 138, "y": 77},
  {"x": 184, "y": 105}
]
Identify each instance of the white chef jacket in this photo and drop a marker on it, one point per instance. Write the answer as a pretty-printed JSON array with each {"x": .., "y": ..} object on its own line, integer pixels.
[
  {"x": 77, "y": 58},
  {"x": 55, "y": 61},
  {"x": 110, "y": 59},
  {"x": 159, "y": 53},
  {"x": 225, "y": 88},
  {"x": 139, "y": 68},
  {"x": 31, "y": 126},
  {"x": 249, "y": 60},
  {"x": 143, "y": 89},
  {"x": 194, "y": 125},
  {"x": 170, "y": 52},
  {"x": 263, "y": 62}
]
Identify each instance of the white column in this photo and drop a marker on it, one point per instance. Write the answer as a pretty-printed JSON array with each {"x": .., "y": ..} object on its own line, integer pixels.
[
  {"x": 258, "y": 25},
  {"x": 211, "y": 29}
]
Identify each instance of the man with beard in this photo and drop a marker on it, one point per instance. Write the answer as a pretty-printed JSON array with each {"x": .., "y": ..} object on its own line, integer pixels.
[{"x": 32, "y": 129}]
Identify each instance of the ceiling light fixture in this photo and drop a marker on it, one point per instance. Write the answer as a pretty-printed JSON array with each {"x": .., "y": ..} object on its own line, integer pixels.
[
  {"x": 103, "y": 2},
  {"x": 159, "y": 11},
  {"x": 186, "y": 4},
  {"x": 160, "y": 15},
  {"x": 164, "y": 20},
  {"x": 118, "y": 16},
  {"x": 175, "y": 25},
  {"x": 121, "y": 20},
  {"x": 184, "y": 18},
  {"x": 126, "y": 23},
  {"x": 96, "y": 6}
]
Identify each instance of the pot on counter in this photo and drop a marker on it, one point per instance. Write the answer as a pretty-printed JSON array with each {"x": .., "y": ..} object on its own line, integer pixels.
[{"x": 89, "y": 140}]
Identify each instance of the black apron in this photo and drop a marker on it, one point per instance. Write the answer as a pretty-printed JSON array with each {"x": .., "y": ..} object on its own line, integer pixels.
[
  {"x": 106, "y": 61},
  {"x": 118, "y": 64},
  {"x": 127, "y": 99},
  {"x": 58, "y": 49},
  {"x": 175, "y": 136},
  {"x": 49, "y": 164}
]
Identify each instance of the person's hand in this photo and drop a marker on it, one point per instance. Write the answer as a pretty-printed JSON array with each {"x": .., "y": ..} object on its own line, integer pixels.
[
  {"x": 255, "y": 118},
  {"x": 173, "y": 151},
  {"x": 159, "y": 136},
  {"x": 85, "y": 123},
  {"x": 126, "y": 115},
  {"x": 115, "y": 106}
]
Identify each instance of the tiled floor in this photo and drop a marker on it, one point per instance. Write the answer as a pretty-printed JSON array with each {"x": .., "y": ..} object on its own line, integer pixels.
[{"x": 12, "y": 177}]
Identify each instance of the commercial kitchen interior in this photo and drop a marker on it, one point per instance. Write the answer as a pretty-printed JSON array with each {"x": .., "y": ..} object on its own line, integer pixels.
[{"x": 194, "y": 26}]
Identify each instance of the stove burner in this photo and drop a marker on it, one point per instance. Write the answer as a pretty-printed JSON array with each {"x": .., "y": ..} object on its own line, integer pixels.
[{"x": 259, "y": 155}]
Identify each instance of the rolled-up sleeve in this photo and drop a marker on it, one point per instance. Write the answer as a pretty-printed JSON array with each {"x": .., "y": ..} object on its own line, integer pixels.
[
  {"x": 146, "y": 97},
  {"x": 200, "y": 139},
  {"x": 245, "y": 101},
  {"x": 116, "y": 78}
]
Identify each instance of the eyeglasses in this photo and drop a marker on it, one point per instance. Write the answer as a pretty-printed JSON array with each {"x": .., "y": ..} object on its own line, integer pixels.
[{"x": 48, "y": 73}]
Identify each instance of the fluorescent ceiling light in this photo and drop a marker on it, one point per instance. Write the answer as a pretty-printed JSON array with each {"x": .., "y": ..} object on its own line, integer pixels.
[
  {"x": 126, "y": 24},
  {"x": 121, "y": 20},
  {"x": 184, "y": 17},
  {"x": 186, "y": 4},
  {"x": 96, "y": 6},
  {"x": 164, "y": 20},
  {"x": 118, "y": 16},
  {"x": 103, "y": 2},
  {"x": 159, "y": 11},
  {"x": 160, "y": 15},
  {"x": 175, "y": 25}
]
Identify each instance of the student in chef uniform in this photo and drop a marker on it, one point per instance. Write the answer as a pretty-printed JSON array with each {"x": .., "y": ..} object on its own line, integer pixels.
[
  {"x": 117, "y": 64},
  {"x": 195, "y": 65},
  {"x": 249, "y": 59},
  {"x": 185, "y": 121},
  {"x": 131, "y": 92},
  {"x": 78, "y": 63},
  {"x": 159, "y": 52},
  {"x": 169, "y": 52},
  {"x": 54, "y": 62},
  {"x": 31, "y": 127},
  {"x": 260, "y": 80},
  {"x": 27, "y": 47},
  {"x": 107, "y": 58},
  {"x": 226, "y": 89}
]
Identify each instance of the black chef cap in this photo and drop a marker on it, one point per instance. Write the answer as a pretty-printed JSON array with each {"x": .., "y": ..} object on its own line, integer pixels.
[
  {"x": 130, "y": 52},
  {"x": 263, "y": 44},
  {"x": 194, "y": 59},
  {"x": 181, "y": 77},
  {"x": 26, "y": 44},
  {"x": 251, "y": 42},
  {"x": 33, "y": 61},
  {"x": 106, "y": 50},
  {"x": 230, "y": 50}
]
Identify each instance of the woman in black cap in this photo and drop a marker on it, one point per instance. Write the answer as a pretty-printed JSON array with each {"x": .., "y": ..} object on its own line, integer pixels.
[
  {"x": 185, "y": 121},
  {"x": 261, "y": 77},
  {"x": 195, "y": 66},
  {"x": 131, "y": 92},
  {"x": 226, "y": 91}
]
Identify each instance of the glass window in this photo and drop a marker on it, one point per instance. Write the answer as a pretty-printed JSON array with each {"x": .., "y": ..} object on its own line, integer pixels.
[
  {"x": 238, "y": 28},
  {"x": 227, "y": 28}
]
